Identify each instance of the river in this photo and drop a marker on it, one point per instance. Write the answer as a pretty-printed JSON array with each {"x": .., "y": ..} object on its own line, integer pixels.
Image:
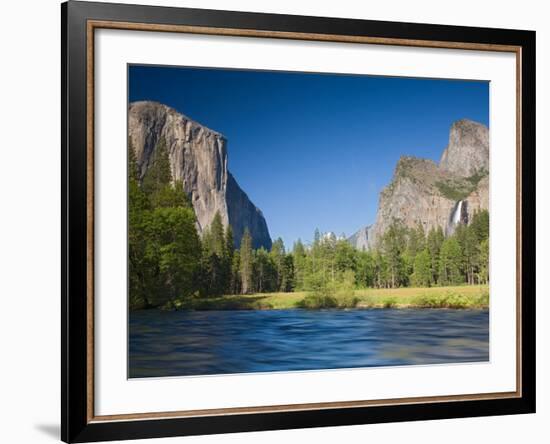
[{"x": 180, "y": 343}]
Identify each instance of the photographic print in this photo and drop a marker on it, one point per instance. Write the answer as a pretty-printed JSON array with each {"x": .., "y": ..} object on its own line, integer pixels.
[
  {"x": 286, "y": 221},
  {"x": 277, "y": 222}
]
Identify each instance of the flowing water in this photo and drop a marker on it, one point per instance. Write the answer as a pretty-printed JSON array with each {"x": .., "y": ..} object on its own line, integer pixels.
[
  {"x": 457, "y": 213},
  {"x": 183, "y": 343}
]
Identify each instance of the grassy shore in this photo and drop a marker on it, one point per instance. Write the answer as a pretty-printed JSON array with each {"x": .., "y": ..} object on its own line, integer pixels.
[{"x": 473, "y": 296}]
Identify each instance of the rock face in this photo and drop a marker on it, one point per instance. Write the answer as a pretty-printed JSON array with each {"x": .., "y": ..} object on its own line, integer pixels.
[
  {"x": 422, "y": 192},
  {"x": 468, "y": 149},
  {"x": 198, "y": 158},
  {"x": 479, "y": 198},
  {"x": 361, "y": 238}
]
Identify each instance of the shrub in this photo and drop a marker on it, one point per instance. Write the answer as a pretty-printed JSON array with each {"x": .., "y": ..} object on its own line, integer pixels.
[
  {"x": 482, "y": 300},
  {"x": 316, "y": 301},
  {"x": 451, "y": 299},
  {"x": 431, "y": 301},
  {"x": 454, "y": 300},
  {"x": 330, "y": 294}
]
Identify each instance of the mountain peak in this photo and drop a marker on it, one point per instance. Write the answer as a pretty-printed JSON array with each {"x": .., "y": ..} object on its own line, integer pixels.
[
  {"x": 468, "y": 150},
  {"x": 150, "y": 108},
  {"x": 422, "y": 192}
]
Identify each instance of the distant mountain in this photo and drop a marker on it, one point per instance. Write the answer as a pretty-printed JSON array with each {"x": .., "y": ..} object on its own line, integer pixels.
[
  {"x": 423, "y": 192},
  {"x": 331, "y": 236},
  {"x": 198, "y": 158},
  {"x": 360, "y": 239}
]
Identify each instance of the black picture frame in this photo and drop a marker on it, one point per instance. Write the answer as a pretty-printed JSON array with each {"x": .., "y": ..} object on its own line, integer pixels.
[{"x": 76, "y": 423}]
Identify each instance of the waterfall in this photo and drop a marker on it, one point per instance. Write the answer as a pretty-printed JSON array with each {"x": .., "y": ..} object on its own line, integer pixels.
[
  {"x": 459, "y": 215},
  {"x": 456, "y": 215}
]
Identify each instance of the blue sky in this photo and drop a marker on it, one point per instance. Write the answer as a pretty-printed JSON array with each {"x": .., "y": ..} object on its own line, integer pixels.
[{"x": 314, "y": 150}]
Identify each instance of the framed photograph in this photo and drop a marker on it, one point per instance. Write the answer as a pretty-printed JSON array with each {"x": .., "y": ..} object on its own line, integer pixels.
[{"x": 276, "y": 221}]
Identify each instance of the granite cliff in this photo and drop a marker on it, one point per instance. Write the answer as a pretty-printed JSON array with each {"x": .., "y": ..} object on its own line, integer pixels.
[
  {"x": 468, "y": 149},
  {"x": 198, "y": 158},
  {"x": 433, "y": 195}
]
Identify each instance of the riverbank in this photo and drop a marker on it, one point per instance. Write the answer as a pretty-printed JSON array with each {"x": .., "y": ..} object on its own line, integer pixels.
[{"x": 467, "y": 297}]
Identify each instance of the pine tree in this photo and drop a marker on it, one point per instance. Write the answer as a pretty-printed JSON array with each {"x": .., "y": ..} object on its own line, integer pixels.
[
  {"x": 235, "y": 281},
  {"x": 158, "y": 175},
  {"x": 133, "y": 172},
  {"x": 433, "y": 242},
  {"x": 300, "y": 264},
  {"x": 287, "y": 281},
  {"x": 365, "y": 274},
  {"x": 216, "y": 264},
  {"x": 229, "y": 254},
  {"x": 138, "y": 267},
  {"x": 277, "y": 254},
  {"x": 422, "y": 276},
  {"x": 264, "y": 272},
  {"x": 449, "y": 262},
  {"x": 416, "y": 240},
  {"x": 246, "y": 262},
  {"x": 174, "y": 250},
  {"x": 171, "y": 196},
  {"x": 393, "y": 244},
  {"x": 470, "y": 255},
  {"x": 217, "y": 237},
  {"x": 484, "y": 261},
  {"x": 345, "y": 257},
  {"x": 229, "y": 242},
  {"x": 480, "y": 225}
]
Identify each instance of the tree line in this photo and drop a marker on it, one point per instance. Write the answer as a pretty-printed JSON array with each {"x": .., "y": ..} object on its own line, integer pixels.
[{"x": 168, "y": 259}]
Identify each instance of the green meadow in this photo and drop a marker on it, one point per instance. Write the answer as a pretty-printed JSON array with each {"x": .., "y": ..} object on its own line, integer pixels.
[{"x": 458, "y": 297}]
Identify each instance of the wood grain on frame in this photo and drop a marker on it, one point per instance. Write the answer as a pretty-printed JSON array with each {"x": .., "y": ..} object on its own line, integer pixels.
[{"x": 96, "y": 24}]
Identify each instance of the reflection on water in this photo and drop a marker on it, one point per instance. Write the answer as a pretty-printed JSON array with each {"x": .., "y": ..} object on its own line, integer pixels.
[{"x": 215, "y": 342}]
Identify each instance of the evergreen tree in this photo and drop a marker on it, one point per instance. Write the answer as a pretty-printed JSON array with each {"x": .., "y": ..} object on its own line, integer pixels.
[
  {"x": 246, "y": 262},
  {"x": 422, "y": 275},
  {"x": 449, "y": 262},
  {"x": 216, "y": 239},
  {"x": 315, "y": 252},
  {"x": 393, "y": 244},
  {"x": 278, "y": 254},
  {"x": 171, "y": 196},
  {"x": 216, "y": 263},
  {"x": 365, "y": 271},
  {"x": 470, "y": 254},
  {"x": 235, "y": 280},
  {"x": 416, "y": 240},
  {"x": 138, "y": 267},
  {"x": 264, "y": 272},
  {"x": 300, "y": 264},
  {"x": 158, "y": 175},
  {"x": 434, "y": 241},
  {"x": 345, "y": 256},
  {"x": 229, "y": 254},
  {"x": 133, "y": 171},
  {"x": 480, "y": 225},
  {"x": 229, "y": 242},
  {"x": 174, "y": 247},
  {"x": 484, "y": 261},
  {"x": 287, "y": 280}
]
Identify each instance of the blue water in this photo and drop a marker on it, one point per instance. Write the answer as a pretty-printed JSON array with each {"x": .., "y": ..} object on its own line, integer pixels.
[{"x": 180, "y": 343}]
